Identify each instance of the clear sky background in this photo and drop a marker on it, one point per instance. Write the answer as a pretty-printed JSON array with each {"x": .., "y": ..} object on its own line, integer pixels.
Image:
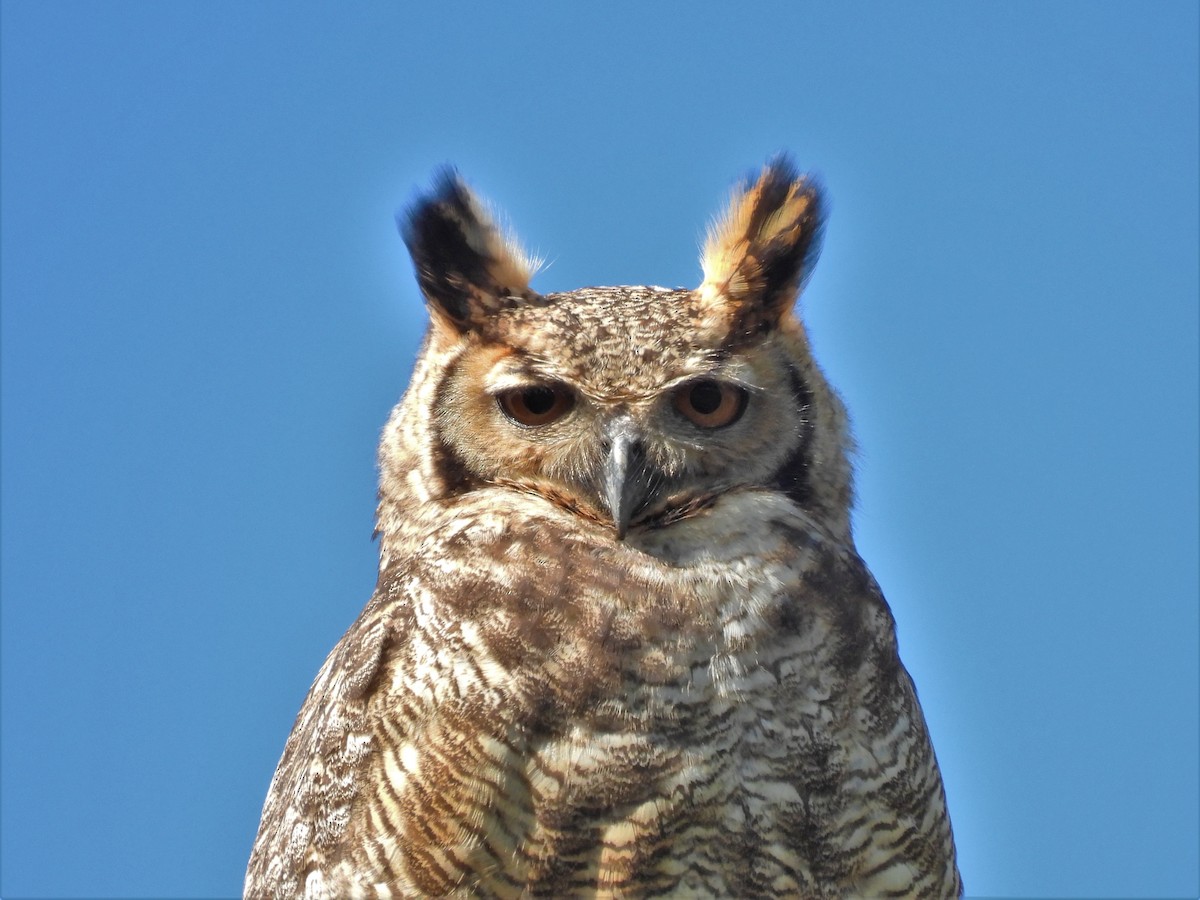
[{"x": 207, "y": 315}]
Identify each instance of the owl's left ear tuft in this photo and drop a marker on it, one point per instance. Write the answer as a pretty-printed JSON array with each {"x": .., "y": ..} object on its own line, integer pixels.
[
  {"x": 761, "y": 251},
  {"x": 467, "y": 266}
]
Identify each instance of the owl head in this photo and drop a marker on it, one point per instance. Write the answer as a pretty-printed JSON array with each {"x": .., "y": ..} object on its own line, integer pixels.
[{"x": 630, "y": 407}]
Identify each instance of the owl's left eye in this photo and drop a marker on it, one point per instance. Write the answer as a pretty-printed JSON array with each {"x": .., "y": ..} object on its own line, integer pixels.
[
  {"x": 537, "y": 404},
  {"x": 710, "y": 403}
]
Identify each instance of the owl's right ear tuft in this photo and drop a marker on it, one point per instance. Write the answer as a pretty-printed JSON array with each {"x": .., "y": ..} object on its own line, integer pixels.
[
  {"x": 467, "y": 267},
  {"x": 760, "y": 252}
]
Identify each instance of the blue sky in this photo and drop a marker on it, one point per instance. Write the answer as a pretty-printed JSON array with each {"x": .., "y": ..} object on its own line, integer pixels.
[{"x": 207, "y": 314}]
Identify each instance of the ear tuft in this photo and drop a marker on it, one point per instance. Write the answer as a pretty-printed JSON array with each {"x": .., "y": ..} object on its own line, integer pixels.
[
  {"x": 761, "y": 251},
  {"x": 467, "y": 267}
]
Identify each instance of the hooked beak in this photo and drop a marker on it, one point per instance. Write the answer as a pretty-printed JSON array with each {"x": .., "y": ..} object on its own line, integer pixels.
[{"x": 623, "y": 478}]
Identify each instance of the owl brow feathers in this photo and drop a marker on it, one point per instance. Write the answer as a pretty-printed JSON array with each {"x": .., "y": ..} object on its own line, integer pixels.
[
  {"x": 467, "y": 267},
  {"x": 761, "y": 251}
]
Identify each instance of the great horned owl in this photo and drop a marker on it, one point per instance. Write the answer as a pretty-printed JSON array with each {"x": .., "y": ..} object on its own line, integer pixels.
[{"x": 621, "y": 643}]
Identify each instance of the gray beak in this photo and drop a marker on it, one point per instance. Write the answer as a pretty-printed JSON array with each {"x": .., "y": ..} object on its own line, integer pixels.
[{"x": 623, "y": 478}]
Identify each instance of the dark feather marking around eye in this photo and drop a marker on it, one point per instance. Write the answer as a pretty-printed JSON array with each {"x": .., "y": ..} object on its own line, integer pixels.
[
  {"x": 792, "y": 476},
  {"x": 447, "y": 466}
]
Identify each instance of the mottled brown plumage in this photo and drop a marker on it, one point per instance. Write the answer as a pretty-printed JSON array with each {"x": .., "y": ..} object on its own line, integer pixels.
[{"x": 622, "y": 644}]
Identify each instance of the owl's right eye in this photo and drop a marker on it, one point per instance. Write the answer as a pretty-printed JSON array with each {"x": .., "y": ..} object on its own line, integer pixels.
[
  {"x": 536, "y": 405},
  {"x": 710, "y": 403}
]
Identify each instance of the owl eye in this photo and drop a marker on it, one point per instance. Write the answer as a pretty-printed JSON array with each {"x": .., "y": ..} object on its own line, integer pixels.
[
  {"x": 710, "y": 403},
  {"x": 536, "y": 405}
]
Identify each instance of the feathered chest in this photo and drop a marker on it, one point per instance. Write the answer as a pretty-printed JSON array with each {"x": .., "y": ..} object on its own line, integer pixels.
[
  {"x": 569, "y": 706},
  {"x": 646, "y": 633}
]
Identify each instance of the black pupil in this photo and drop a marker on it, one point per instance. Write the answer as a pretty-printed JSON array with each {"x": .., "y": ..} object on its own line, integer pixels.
[
  {"x": 706, "y": 397},
  {"x": 539, "y": 400}
]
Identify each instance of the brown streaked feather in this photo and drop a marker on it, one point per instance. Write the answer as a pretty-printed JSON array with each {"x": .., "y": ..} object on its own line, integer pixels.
[{"x": 544, "y": 719}]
